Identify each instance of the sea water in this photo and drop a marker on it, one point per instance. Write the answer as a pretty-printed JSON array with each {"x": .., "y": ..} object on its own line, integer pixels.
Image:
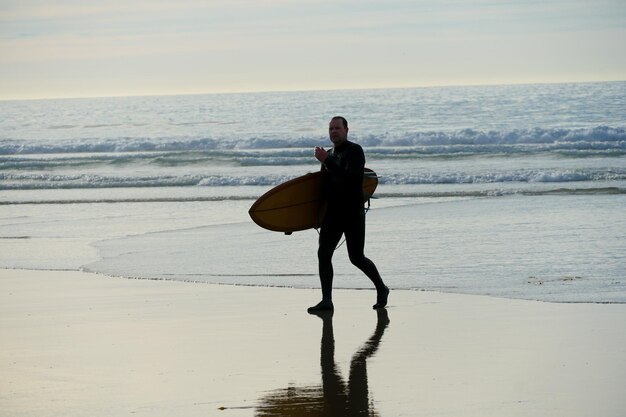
[{"x": 512, "y": 191}]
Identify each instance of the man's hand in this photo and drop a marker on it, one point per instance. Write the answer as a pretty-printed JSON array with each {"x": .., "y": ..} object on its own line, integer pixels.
[{"x": 321, "y": 154}]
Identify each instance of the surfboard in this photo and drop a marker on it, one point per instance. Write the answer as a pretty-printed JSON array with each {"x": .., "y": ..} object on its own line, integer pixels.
[{"x": 298, "y": 203}]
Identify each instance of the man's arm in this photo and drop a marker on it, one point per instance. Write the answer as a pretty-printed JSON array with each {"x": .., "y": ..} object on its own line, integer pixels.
[{"x": 355, "y": 163}]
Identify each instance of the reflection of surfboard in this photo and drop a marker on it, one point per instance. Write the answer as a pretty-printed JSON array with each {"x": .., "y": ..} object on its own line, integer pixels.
[{"x": 298, "y": 204}]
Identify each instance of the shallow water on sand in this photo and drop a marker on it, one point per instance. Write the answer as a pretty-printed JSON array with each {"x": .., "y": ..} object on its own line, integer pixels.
[{"x": 567, "y": 248}]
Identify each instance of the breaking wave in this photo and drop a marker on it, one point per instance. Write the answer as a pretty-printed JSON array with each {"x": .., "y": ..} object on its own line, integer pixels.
[
  {"x": 597, "y": 139},
  {"x": 30, "y": 181}
]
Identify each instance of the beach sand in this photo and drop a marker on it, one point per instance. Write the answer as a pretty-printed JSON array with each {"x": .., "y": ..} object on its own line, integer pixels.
[{"x": 78, "y": 344}]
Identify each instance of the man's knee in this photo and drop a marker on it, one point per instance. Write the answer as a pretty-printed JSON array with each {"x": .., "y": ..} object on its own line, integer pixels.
[{"x": 357, "y": 259}]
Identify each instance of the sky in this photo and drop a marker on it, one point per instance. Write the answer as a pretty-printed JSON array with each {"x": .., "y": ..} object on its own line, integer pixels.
[{"x": 87, "y": 48}]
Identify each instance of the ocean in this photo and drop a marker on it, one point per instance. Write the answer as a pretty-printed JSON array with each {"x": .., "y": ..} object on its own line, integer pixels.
[{"x": 512, "y": 191}]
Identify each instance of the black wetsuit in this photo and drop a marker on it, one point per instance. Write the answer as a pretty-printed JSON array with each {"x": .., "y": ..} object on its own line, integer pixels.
[{"x": 345, "y": 214}]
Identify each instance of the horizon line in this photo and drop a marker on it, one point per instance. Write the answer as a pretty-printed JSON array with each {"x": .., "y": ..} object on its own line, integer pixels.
[{"x": 303, "y": 90}]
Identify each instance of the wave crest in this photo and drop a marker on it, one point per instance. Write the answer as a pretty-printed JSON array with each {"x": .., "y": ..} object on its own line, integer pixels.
[{"x": 597, "y": 138}]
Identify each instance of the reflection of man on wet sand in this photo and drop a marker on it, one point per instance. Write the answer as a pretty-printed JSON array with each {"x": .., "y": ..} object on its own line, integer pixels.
[{"x": 334, "y": 398}]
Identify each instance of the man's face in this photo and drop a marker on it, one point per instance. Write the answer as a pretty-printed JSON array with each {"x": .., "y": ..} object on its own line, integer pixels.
[{"x": 337, "y": 133}]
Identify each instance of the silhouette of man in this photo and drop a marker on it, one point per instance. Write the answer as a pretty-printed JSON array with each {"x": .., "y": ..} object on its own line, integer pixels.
[{"x": 345, "y": 214}]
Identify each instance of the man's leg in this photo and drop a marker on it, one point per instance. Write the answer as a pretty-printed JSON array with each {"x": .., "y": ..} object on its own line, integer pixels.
[
  {"x": 328, "y": 240},
  {"x": 355, "y": 240}
]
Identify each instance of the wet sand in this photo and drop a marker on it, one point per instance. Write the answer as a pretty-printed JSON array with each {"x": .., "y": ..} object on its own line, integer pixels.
[{"x": 80, "y": 344}]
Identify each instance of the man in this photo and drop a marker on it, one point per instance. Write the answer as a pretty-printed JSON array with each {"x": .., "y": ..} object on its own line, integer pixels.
[{"x": 345, "y": 214}]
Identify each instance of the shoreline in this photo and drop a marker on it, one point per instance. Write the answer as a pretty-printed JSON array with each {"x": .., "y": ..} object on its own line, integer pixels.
[
  {"x": 86, "y": 344},
  {"x": 312, "y": 288}
]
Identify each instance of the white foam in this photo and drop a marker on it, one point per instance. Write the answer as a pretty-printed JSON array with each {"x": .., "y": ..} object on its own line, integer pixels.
[{"x": 434, "y": 142}]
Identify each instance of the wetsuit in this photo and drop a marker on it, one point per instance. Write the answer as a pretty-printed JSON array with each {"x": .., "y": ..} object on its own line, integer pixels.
[{"x": 345, "y": 214}]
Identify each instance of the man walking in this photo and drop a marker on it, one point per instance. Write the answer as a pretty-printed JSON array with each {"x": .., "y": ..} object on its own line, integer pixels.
[{"x": 345, "y": 215}]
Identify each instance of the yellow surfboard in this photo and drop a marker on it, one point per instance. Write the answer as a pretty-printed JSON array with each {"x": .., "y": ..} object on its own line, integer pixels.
[{"x": 298, "y": 204}]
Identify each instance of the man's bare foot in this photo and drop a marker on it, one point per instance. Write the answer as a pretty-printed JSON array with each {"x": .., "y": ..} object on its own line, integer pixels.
[
  {"x": 321, "y": 306},
  {"x": 381, "y": 299}
]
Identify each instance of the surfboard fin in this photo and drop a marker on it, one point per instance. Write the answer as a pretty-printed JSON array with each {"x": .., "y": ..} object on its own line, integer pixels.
[{"x": 288, "y": 233}]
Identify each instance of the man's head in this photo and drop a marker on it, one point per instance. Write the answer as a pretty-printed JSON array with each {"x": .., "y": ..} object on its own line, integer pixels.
[{"x": 338, "y": 130}]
